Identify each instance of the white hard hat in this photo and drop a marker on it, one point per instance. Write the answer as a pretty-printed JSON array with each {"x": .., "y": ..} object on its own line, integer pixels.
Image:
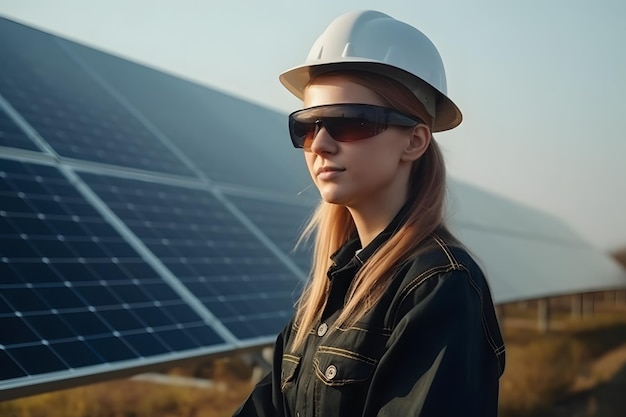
[{"x": 372, "y": 41}]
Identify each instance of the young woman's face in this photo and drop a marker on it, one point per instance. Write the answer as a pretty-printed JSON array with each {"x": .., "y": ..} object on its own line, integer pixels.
[{"x": 360, "y": 174}]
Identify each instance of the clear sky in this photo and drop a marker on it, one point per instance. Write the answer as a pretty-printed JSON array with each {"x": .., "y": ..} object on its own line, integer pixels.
[{"x": 541, "y": 83}]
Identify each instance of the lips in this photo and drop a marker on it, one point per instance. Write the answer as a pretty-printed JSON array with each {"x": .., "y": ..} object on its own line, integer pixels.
[
  {"x": 324, "y": 169},
  {"x": 328, "y": 173}
]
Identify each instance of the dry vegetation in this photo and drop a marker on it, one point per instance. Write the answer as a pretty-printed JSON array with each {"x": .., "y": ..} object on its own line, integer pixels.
[
  {"x": 127, "y": 398},
  {"x": 576, "y": 370},
  {"x": 131, "y": 398}
]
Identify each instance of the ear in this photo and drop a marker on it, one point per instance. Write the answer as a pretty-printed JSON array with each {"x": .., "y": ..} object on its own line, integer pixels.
[{"x": 418, "y": 143}]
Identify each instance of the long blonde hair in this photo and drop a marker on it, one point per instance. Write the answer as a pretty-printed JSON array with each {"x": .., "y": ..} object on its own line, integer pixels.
[{"x": 332, "y": 225}]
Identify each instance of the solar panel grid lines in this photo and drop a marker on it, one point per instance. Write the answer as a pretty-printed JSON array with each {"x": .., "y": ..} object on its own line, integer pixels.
[
  {"x": 214, "y": 129},
  {"x": 75, "y": 115},
  {"x": 207, "y": 248},
  {"x": 73, "y": 293},
  {"x": 133, "y": 110},
  {"x": 139, "y": 245},
  {"x": 280, "y": 252},
  {"x": 282, "y": 222},
  {"x": 80, "y": 166},
  {"x": 24, "y": 155},
  {"x": 16, "y": 132}
]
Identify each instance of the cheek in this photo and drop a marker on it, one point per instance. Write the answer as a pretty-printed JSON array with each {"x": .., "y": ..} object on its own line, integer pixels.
[
  {"x": 377, "y": 162},
  {"x": 309, "y": 158}
]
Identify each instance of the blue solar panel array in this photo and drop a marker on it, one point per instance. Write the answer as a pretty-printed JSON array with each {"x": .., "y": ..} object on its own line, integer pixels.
[
  {"x": 248, "y": 143},
  {"x": 125, "y": 240},
  {"x": 282, "y": 222},
  {"x": 208, "y": 249},
  {"x": 73, "y": 292},
  {"x": 71, "y": 110}
]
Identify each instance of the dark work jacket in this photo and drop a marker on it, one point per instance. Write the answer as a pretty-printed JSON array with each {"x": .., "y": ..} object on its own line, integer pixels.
[{"x": 430, "y": 347}]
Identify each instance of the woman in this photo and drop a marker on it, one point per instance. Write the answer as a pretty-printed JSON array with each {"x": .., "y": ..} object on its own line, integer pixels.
[{"x": 397, "y": 319}]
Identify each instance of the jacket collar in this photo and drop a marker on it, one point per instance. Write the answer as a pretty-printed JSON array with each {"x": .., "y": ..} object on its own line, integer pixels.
[{"x": 351, "y": 252}]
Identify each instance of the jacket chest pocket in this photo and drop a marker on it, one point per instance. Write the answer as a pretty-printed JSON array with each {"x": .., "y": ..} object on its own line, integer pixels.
[
  {"x": 289, "y": 370},
  {"x": 338, "y": 367}
]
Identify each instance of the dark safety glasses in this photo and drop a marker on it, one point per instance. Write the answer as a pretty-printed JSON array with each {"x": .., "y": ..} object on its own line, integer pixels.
[{"x": 344, "y": 122}]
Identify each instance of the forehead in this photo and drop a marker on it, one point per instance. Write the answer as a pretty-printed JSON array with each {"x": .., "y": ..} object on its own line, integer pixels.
[{"x": 333, "y": 89}]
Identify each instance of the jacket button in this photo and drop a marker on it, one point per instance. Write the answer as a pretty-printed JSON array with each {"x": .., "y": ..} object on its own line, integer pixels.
[
  {"x": 331, "y": 372},
  {"x": 322, "y": 329}
]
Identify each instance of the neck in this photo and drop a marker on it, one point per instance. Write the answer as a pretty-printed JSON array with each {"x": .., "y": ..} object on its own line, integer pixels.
[{"x": 374, "y": 218}]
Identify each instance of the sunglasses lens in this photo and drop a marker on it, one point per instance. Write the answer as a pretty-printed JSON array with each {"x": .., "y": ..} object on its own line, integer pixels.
[
  {"x": 339, "y": 128},
  {"x": 351, "y": 129},
  {"x": 301, "y": 132},
  {"x": 343, "y": 122}
]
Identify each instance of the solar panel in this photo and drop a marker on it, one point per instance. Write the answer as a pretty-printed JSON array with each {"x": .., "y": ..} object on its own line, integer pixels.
[
  {"x": 12, "y": 136},
  {"x": 210, "y": 251},
  {"x": 73, "y": 292},
  {"x": 232, "y": 141},
  {"x": 71, "y": 110},
  {"x": 282, "y": 222}
]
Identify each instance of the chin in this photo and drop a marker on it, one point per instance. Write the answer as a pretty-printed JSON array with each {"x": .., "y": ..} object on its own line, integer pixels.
[
  {"x": 333, "y": 198},
  {"x": 334, "y": 194}
]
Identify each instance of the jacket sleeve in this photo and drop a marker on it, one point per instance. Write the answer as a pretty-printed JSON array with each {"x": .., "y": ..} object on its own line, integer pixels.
[
  {"x": 439, "y": 361},
  {"x": 266, "y": 399}
]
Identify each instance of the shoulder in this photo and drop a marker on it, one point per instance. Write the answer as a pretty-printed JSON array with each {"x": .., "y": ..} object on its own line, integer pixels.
[
  {"x": 442, "y": 281},
  {"x": 442, "y": 269},
  {"x": 438, "y": 255}
]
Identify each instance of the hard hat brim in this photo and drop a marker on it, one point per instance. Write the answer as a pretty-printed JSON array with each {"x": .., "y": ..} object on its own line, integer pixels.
[{"x": 447, "y": 114}]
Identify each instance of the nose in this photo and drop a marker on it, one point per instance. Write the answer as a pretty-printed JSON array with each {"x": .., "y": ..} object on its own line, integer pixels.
[{"x": 321, "y": 142}]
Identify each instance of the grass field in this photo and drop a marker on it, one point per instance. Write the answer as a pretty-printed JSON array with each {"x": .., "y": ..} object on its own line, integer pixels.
[{"x": 578, "y": 369}]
